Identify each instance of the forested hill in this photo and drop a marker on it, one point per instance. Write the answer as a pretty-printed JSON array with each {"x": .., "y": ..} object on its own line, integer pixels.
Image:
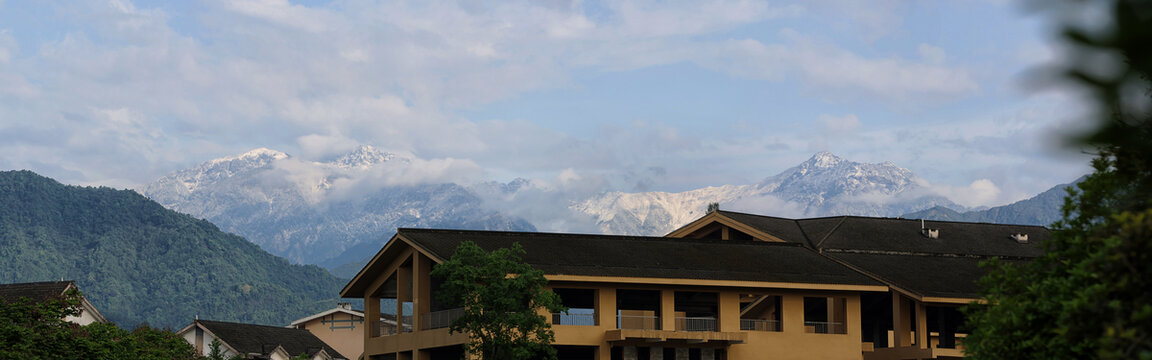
[{"x": 139, "y": 262}]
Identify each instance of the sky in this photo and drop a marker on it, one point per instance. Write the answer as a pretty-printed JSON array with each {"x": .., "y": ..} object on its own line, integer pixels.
[{"x": 643, "y": 96}]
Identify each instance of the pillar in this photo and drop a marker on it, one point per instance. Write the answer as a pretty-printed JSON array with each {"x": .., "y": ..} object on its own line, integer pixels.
[
  {"x": 921, "y": 324},
  {"x": 707, "y": 354},
  {"x": 900, "y": 322},
  {"x": 655, "y": 353},
  {"x": 371, "y": 316},
  {"x": 729, "y": 307},
  {"x": 629, "y": 353},
  {"x": 422, "y": 288},
  {"x": 403, "y": 294},
  {"x": 667, "y": 310},
  {"x": 606, "y": 308},
  {"x": 792, "y": 314}
]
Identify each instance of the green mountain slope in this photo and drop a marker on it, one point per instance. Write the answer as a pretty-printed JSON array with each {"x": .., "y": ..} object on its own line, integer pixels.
[
  {"x": 139, "y": 262},
  {"x": 1042, "y": 209}
]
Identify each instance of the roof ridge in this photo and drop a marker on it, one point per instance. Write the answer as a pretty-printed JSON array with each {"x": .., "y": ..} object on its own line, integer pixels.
[
  {"x": 830, "y": 232},
  {"x": 925, "y": 254},
  {"x": 605, "y": 236}
]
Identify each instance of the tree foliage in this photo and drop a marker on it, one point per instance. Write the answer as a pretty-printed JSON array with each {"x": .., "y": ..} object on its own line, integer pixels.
[
  {"x": 1088, "y": 296},
  {"x": 37, "y": 330},
  {"x": 140, "y": 262},
  {"x": 501, "y": 297}
]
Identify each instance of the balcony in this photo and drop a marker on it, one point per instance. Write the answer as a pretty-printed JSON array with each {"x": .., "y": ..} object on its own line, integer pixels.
[
  {"x": 824, "y": 327},
  {"x": 574, "y": 319},
  {"x": 638, "y": 322},
  {"x": 696, "y": 324},
  {"x": 759, "y": 325},
  {"x": 386, "y": 327},
  {"x": 440, "y": 319}
]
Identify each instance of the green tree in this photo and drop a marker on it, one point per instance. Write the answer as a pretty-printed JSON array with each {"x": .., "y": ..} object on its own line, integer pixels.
[
  {"x": 37, "y": 330},
  {"x": 501, "y": 297},
  {"x": 1088, "y": 296}
]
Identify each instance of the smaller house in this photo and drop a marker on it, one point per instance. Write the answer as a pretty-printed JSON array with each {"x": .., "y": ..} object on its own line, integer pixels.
[
  {"x": 256, "y": 341},
  {"x": 341, "y": 328},
  {"x": 46, "y": 290}
]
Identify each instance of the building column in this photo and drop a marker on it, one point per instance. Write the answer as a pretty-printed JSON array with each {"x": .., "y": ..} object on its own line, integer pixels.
[
  {"x": 606, "y": 308},
  {"x": 371, "y": 316},
  {"x": 707, "y": 354},
  {"x": 668, "y": 310},
  {"x": 604, "y": 352},
  {"x": 422, "y": 289},
  {"x": 421, "y": 355},
  {"x": 728, "y": 303},
  {"x": 901, "y": 319},
  {"x": 629, "y": 353},
  {"x": 921, "y": 324},
  {"x": 403, "y": 294},
  {"x": 792, "y": 314}
]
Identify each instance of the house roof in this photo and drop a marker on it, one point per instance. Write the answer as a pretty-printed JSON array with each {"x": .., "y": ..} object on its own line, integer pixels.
[
  {"x": 785, "y": 229},
  {"x": 35, "y": 291},
  {"x": 326, "y": 313},
  {"x": 250, "y": 338},
  {"x": 922, "y": 275},
  {"x": 649, "y": 257},
  {"x": 904, "y": 235}
]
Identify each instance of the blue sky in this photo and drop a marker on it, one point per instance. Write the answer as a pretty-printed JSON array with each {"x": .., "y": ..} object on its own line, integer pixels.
[{"x": 664, "y": 95}]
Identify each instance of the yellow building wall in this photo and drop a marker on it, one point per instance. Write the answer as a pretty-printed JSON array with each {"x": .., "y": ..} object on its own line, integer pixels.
[{"x": 349, "y": 342}]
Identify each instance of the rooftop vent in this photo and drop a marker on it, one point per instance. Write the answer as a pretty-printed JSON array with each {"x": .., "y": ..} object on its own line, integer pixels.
[
  {"x": 929, "y": 233},
  {"x": 1020, "y": 238}
]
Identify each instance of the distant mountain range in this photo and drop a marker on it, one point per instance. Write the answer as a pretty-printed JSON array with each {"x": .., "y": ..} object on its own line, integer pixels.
[
  {"x": 1043, "y": 210},
  {"x": 338, "y": 212},
  {"x": 326, "y": 213},
  {"x": 140, "y": 262},
  {"x": 824, "y": 185}
]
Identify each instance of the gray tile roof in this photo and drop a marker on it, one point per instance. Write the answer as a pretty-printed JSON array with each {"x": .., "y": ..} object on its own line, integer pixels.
[
  {"x": 652, "y": 257},
  {"x": 36, "y": 291},
  {"x": 932, "y": 276},
  {"x": 250, "y": 338}
]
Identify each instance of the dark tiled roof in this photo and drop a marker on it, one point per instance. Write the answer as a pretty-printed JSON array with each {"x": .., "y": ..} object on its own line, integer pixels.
[
  {"x": 903, "y": 235},
  {"x": 933, "y": 276},
  {"x": 37, "y": 291},
  {"x": 785, "y": 229},
  {"x": 653, "y": 257},
  {"x": 249, "y": 338}
]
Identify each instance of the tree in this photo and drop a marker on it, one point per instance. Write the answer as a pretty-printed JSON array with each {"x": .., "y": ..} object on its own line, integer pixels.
[
  {"x": 37, "y": 330},
  {"x": 1088, "y": 295},
  {"x": 501, "y": 297},
  {"x": 713, "y": 207}
]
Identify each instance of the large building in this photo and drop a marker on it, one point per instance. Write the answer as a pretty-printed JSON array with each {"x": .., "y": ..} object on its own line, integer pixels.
[{"x": 726, "y": 286}]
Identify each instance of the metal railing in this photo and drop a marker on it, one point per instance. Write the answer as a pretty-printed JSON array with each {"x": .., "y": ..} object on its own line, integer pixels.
[
  {"x": 440, "y": 319},
  {"x": 824, "y": 327},
  {"x": 696, "y": 324},
  {"x": 759, "y": 325},
  {"x": 638, "y": 322},
  {"x": 574, "y": 319},
  {"x": 389, "y": 327}
]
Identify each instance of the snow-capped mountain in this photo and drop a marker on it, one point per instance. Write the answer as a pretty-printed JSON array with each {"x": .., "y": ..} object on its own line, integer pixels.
[
  {"x": 824, "y": 185},
  {"x": 325, "y": 213}
]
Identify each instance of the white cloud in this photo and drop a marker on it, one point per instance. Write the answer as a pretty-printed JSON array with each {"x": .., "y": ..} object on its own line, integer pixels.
[
  {"x": 840, "y": 124},
  {"x": 932, "y": 54},
  {"x": 982, "y": 192},
  {"x": 8, "y": 47}
]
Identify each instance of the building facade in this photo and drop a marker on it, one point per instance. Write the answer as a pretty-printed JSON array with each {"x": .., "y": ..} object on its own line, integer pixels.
[{"x": 727, "y": 286}]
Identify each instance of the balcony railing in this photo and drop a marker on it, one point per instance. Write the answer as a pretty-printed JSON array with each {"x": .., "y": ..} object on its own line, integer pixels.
[
  {"x": 638, "y": 322},
  {"x": 440, "y": 319},
  {"x": 574, "y": 319},
  {"x": 759, "y": 325},
  {"x": 696, "y": 324},
  {"x": 824, "y": 327},
  {"x": 388, "y": 327}
]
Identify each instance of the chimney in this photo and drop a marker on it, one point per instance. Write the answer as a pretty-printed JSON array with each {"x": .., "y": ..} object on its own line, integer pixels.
[
  {"x": 344, "y": 305},
  {"x": 1021, "y": 238},
  {"x": 929, "y": 233}
]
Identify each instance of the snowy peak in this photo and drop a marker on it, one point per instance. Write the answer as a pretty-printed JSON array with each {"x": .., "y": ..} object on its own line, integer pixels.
[
  {"x": 362, "y": 158},
  {"x": 823, "y": 159},
  {"x": 260, "y": 155}
]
